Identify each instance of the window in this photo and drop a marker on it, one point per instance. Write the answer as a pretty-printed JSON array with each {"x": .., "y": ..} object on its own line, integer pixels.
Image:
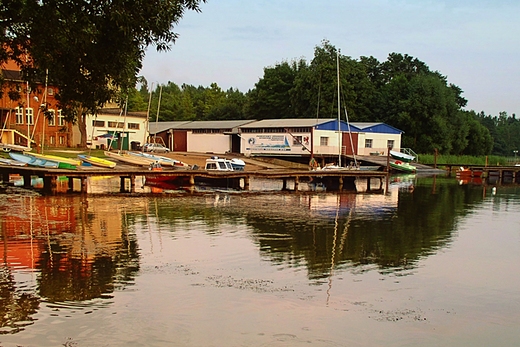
[
  {"x": 19, "y": 115},
  {"x": 390, "y": 144},
  {"x": 52, "y": 140},
  {"x": 29, "y": 115},
  {"x": 50, "y": 91},
  {"x": 118, "y": 125},
  {"x": 98, "y": 123},
  {"x": 61, "y": 118},
  {"x": 324, "y": 141},
  {"x": 368, "y": 143},
  {"x": 52, "y": 119},
  {"x": 62, "y": 140},
  {"x": 133, "y": 126},
  {"x": 297, "y": 140}
]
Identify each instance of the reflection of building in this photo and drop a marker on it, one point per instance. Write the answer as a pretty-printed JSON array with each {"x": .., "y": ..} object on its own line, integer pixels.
[
  {"x": 22, "y": 112},
  {"x": 69, "y": 240}
]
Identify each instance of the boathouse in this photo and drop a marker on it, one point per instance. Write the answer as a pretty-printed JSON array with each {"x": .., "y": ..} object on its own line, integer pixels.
[{"x": 279, "y": 137}]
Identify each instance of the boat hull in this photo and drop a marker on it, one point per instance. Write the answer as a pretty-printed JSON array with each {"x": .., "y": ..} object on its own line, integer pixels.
[
  {"x": 403, "y": 167},
  {"x": 97, "y": 161}
]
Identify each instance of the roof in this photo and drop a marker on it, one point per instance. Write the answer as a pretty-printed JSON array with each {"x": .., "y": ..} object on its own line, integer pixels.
[
  {"x": 376, "y": 128},
  {"x": 286, "y": 123},
  {"x": 12, "y": 75},
  {"x": 191, "y": 125},
  {"x": 118, "y": 111}
]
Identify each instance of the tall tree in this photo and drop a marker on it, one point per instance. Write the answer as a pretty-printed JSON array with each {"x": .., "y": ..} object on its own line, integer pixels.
[{"x": 91, "y": 49}]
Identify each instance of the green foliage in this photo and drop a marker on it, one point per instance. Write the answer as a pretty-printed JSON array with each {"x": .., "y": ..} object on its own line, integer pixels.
[
  {"x": 92, "y": 50},
  {"x": 429, "y": 159}
]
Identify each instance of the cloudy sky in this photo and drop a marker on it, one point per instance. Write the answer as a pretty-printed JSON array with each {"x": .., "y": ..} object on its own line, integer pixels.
[{"x": 475, "y": 43}]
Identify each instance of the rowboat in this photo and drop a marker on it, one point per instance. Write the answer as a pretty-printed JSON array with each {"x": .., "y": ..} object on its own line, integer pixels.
[
  {"x": 130, "y": 159},
  {"x": 402, "y": 156},
  {"x": 57, "y": 158},
  {"x": 164, "y": 161},
  {"x": 11, "y": 162},
  {"x": 96, "y": 161},
  {"x": 33, "y": 161},
  {"x": 403, "y": 167}
]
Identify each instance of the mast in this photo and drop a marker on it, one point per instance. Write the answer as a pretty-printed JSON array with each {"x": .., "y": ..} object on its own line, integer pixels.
[
  {"x": 339, "y": 111},
  {"x": 157, "y": 117},
  {"x": 147, "y": 122}
]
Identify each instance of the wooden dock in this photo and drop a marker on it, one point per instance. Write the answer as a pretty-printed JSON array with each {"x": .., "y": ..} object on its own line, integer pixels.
[{"x": 332, "y": 179}]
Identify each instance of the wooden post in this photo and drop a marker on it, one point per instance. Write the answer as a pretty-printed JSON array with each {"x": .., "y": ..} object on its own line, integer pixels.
[
  {"x": 122, "y": 184},
  {"x": 70, "y": 184},
  {"x": 132, "y": 184},
  {"x": 83, "y": 185},
  {"x": 246, "y": 182},
  {"x": 27, "y": 181},
  {"x": 340, "y": 185},
  {"x": 296, "y": 182},
  {"x": 436, "y": 152}
]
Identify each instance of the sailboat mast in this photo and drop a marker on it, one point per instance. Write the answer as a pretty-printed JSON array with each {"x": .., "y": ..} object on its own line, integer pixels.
[
  {"x": 339, "y": 111},
  {"x": 147, "y": 122},
  {"x": 157, "y": 117}
]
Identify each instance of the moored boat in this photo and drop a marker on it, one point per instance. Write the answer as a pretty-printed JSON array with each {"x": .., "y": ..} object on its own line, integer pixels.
[
  {"x": 57, "y": 158},
  {"x": 33, "y": 161},
  {"x": 11, "y": 162},
  {"x": 164, "y": 161},
  {"x": 403, "y": 167},
  {"x": 218, "y": 164},
  {"x": 96, "y": 161},
  {"x": 130, "y": 159},
  {"x": 238, "y": 164},
  {"x": 402, "y": 156}
]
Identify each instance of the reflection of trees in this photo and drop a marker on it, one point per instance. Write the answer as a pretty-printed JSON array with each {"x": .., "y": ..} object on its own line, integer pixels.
[
  {"x": 16, "y": 306},
  {"x": 421, "y": 224}
]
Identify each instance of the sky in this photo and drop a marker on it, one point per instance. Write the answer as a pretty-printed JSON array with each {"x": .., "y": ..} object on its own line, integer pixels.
[{"x": 474, "y": 43}]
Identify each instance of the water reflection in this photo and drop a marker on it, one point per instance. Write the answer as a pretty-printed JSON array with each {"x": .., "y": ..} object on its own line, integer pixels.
[
  {"x": 80, "y": 250},
  {"x": 68, "y": 251}
]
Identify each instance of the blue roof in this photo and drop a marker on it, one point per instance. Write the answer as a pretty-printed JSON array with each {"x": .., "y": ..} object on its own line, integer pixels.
[{"x": 359, "y": 127}]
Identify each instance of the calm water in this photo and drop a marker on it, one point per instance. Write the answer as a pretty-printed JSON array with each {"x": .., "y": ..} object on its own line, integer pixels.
[{"x": 436, "y": 265}]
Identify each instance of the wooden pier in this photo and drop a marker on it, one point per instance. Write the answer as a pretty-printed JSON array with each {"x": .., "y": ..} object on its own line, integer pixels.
[
  {"x": 332, "y": 179},
  {"x": 492, "y": 174}
]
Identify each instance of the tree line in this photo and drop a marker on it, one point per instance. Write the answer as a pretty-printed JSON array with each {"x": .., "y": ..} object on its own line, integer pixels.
[{"x": 401, "y": 91}]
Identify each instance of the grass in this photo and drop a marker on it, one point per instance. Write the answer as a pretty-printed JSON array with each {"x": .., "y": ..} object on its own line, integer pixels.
[{"x": 491, "y": 160}]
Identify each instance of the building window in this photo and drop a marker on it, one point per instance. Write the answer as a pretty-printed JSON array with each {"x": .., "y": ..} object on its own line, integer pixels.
[
  {"x": 98, "y": 123},
  {"x": 368, "y": 143},
  {"x": 19, "y": 115},
  {"x": 118, "y": 125},
  {"x": 61, "y": 118},
  {"x": 52, "y": 119},
  {"x": 324, "y": 141},
  {"x": 390, "y": 144},
  {"x": 297, "y": 140},
  {"x": 134, "y": 126},
  {"x": 50, "y": 91},
  {"x": 62, "y": 140},
  {"x": 29, "y": 115},
  {"x": 52, "y": 140}
]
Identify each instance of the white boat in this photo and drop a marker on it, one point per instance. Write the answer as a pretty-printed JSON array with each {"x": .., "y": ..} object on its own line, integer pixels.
[
  {"x": 11, "y": 162},
  {"x": 6, "y": 147},
  {"x": 402, "y": 156},
  {"x": 164, "y": 161},
  {"x": 218, "y": 164},
  {"x": 130, "y": 159},
  {"x": 238, "y": 164}
]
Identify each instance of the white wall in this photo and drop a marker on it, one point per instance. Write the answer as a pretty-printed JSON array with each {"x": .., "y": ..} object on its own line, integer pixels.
[
  {"x": 137, "y": 135},
  {"x": 208, "y": 143},
  {"x": 379, "y": 143},
  {"x": 333, "y": 147}
]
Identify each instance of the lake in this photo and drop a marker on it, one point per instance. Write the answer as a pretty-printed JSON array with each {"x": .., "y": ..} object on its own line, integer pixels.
[{"x": 432, "y": 262}]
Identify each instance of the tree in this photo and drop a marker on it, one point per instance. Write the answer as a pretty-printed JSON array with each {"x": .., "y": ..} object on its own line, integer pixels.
[{"x": 92, "y": 50}]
